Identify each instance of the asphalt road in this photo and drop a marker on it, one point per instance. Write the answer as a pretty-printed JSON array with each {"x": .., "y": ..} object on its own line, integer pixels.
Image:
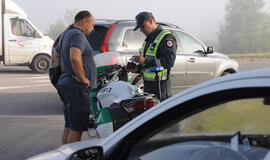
[
  {"x": 31, "y": 116},
  {"x": 246, "y": 65}
]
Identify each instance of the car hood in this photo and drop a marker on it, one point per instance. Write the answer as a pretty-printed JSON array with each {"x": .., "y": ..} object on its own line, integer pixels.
[
  {"x": 218, "y": 55},
  {"x": 64, "y": 151}
]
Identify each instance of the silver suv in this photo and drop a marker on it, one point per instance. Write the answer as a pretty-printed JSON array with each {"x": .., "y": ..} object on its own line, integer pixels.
[{"x": 195, "y": 62}]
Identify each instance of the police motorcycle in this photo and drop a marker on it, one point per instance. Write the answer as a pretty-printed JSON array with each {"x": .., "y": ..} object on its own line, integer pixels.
[{"x": 115, "y": 101}]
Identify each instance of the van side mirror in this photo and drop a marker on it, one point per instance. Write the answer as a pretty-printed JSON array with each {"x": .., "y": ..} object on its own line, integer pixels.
[
  {"x": 95, "y": 153},
  {"x": 210, "y": 49},
  {"x": 36, "y": 35}
]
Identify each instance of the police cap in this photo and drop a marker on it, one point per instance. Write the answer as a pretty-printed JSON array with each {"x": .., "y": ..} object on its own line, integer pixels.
[{"x": 141, "y": 17}]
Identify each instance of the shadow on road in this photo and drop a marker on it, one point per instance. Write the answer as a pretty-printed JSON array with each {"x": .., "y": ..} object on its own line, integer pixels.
[
  {"x": 17, "y": 69},
  {"x": 44, "y": 103}
]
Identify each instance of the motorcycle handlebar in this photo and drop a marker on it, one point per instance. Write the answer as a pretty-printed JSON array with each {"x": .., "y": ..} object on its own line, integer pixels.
[{"x": 109, "y": 74}]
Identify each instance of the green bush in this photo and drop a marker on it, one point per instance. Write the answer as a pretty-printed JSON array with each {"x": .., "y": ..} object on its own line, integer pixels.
[{"x": 249, "y": 55}]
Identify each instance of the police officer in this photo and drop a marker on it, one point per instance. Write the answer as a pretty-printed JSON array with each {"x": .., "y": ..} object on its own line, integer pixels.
[{"x": 158, "y": 49}]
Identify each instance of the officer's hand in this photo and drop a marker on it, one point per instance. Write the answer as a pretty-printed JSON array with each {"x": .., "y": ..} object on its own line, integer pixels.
[
  {"x": 140, "y": 59},
  {"x": 133, "y": 70},
  {"x": 127, "y": 69}
]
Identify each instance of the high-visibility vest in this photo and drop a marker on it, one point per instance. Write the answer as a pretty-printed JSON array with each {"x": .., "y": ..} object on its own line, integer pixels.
[{"x": 151, "y": 53}]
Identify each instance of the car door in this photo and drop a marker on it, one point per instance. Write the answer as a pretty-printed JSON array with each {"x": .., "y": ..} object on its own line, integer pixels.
[{"x": 199, "y": 67}]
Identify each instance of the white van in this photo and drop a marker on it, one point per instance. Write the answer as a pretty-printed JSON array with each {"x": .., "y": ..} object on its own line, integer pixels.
[{"x": 21, "y": 43}]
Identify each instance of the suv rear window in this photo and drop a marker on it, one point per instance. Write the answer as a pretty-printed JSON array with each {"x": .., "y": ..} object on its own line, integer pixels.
[
  {"x": 133, "y": 40},
  {"x": 96, "y": 37}
]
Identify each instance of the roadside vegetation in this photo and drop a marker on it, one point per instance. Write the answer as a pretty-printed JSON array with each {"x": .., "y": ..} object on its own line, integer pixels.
[
  {"x": 249, "y": 55},
  {"x": 245, "y": 28},
  {"x": 248, "y": 116},
  {"x": 56, "y": 28}
]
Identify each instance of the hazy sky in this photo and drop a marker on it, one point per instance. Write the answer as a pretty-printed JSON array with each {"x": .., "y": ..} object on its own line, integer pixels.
[{"x": 201, "y": 18}]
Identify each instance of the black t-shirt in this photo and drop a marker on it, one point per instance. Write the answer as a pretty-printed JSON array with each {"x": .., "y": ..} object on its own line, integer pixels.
[{"x": 75, "y": 38}]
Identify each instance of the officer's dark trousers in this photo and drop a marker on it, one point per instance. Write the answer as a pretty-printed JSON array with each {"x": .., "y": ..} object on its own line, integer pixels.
[{"x": 165, "y": 86}]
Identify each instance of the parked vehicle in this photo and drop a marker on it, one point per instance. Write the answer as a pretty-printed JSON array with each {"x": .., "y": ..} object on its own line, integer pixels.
[
  {"x": 225, "y": 118},
  {"x": 21, "y": 43},
  {"x": 115, "y": 101},
  {"x": 195, "y": 62}
]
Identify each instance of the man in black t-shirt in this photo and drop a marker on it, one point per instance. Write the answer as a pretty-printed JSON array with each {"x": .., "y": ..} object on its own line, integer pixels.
[{"x": 78, "y": 75}]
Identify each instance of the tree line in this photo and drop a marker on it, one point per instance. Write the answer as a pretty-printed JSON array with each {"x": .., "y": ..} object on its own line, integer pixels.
[
  {"x": 61, "y": 23},
  {"x": 246, "y": 28}
]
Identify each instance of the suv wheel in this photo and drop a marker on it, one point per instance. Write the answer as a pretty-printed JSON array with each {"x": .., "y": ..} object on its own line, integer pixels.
[{"x": 225, "y": 73}]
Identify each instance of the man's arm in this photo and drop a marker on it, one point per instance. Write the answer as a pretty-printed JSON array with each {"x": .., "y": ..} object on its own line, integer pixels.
[
  {"x": 77, "y": 66},
  {"x": 167, "y": 51}
]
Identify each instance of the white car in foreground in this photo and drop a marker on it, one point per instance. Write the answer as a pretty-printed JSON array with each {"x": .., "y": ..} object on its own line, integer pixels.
[{"x": 225, "y": 118}]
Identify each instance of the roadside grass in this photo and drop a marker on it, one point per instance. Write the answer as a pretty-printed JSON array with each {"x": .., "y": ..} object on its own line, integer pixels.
[
  {"x": 249, "y": 55},
  {"x": 247, "y": 116}
]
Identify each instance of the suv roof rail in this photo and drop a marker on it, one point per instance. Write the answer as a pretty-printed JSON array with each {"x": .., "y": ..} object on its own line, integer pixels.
[
  {"x": 125, "y": 20},
  {"x": 160, "y": 23},
  {"x": 131, "y": 20},
  {"x": 169, "y": 25},
  {"x": 107, "y": 20}
]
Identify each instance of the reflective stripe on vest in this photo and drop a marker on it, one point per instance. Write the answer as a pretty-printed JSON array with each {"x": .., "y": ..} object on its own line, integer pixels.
[{"x": 151, "y": 54}]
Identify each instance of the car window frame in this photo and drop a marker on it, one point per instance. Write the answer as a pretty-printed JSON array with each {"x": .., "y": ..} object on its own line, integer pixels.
[
  {"x": 179, "y": 44},
  {"x": 147, "y": 130},
  {"x": 23, "y": 26},
  {"x": 192, "y": 37},
  {"x": 122, "y": 40}
]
